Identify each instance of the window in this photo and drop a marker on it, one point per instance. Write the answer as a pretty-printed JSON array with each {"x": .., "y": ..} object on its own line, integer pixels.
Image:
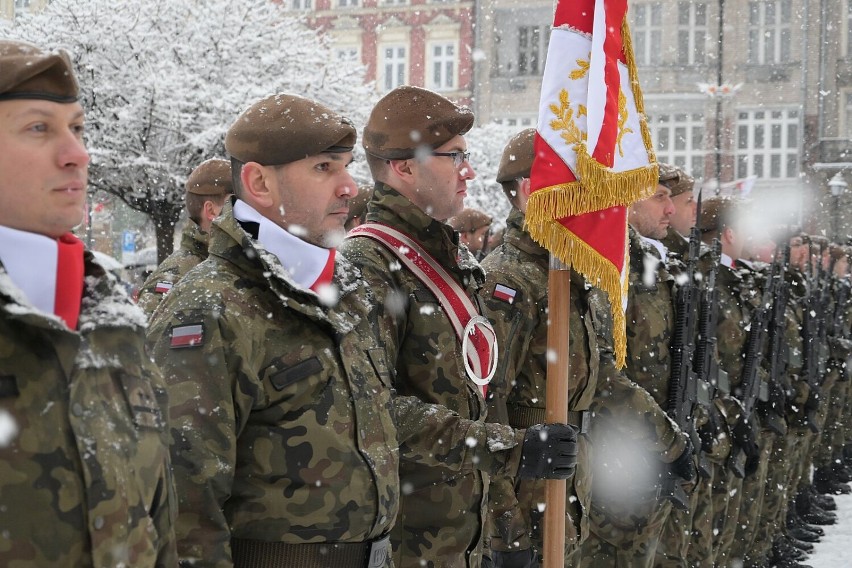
[
  {"x": 849, "y": 28},
  {"x": 300, "y": 4},
  {"x": 691, "y": 33},
  {"x": 347, "y": 3},
  {"x": 768, "y": 143},
  {"x": 648, "y": 33},
  {"x": 680, "y": 140},
  {"x": 394, "y": 2},
  {"x": 443, "y": 66},
  {"x": 532, "y": 46},
  {"x": 395, "y": 65},
  {"x": 769, "y": 32},
  {"x": 21, "y": 5}
]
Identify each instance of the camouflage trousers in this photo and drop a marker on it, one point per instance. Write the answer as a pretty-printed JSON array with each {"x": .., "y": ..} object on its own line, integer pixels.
[
  {"x": 687, "y": 538},
  {"x": 773, "y": 515},
  {"x": 833, "y": 437},
  {"x": 727, "y": 495},
  {"x": 821, "y": 451},
  {"x": 622, "y": 537},
  {"x": 751, "y": 506}
]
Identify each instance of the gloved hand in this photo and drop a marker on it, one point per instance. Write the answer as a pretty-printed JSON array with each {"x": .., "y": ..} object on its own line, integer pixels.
[
  {"x": 512, "y": 559},
  {"x": 812, "y": 404},
  {"x": 745, "y": 437},
  {"x": 709, "y": 432},
  {"x": 684, "y": 465},
  {"x": 549, "y": 452}
]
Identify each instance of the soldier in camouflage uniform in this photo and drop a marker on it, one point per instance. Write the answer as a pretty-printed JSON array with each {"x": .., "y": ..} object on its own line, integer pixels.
[
  {"x": 285, "y": 451},
  {"x": 688, "y": 535},
  {"x": 417, "y": 154},
  {"x": 719, "y": 220},
  {"x": 206, "y": 189},
  {"x": 86, "y": 478},
  {"x": 627, "y": 517},
  {"x": 515, "y": 296}
]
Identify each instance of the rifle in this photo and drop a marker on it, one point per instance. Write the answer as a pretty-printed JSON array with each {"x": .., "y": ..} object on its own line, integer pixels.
[
  {"x": 811, "y": 334},
  {"x": 705, "y": 364},
  {"x": 683, "y": 384},
  {"x": 751, "y": 383},
  {"x": 779, "y": 383}
]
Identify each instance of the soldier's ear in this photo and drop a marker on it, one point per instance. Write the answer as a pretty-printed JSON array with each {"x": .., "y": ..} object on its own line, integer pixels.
[
  {"x": 402, "y": 169},
  {"x": 257, "y": 184}
]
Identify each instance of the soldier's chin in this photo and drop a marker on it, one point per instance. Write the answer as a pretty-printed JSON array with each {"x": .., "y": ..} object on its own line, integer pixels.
[{"x": 333, "y": 239}]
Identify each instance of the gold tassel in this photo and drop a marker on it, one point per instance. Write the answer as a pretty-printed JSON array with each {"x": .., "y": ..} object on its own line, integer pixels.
[{"x": 599, "y": 272}]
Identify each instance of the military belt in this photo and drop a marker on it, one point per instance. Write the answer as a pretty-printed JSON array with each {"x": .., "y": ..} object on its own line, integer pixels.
[
  {"x": 250, "y": 553},
  {"x": 526, "y": 416}
]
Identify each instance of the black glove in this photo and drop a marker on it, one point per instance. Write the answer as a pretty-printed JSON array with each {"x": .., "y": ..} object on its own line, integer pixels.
[
  {"x": 709, "y": 432},
  {"x": 684, "y": 466},
  {"x": 812, "y": 404},
  {"x": 745, "y": 437},
  {"x": 513, "y": 559},
  {"x": 549, "y": 452}
]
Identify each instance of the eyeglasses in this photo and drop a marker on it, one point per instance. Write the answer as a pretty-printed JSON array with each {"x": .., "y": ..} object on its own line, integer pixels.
[{"x": 458, "y": 157}]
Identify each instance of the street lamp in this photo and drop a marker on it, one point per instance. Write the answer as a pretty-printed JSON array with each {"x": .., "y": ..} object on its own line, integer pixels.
[{"x": 837, "y": 185}]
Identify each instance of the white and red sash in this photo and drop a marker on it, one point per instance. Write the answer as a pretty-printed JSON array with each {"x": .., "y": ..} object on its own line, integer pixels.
[{"x": 472, "y": 329}]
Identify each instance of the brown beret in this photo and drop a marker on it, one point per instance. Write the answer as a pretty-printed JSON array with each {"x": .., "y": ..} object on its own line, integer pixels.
[
  {"x": 718, "y": 213},
  {"x": 517, "y": 157},
  {"x": 212, "y": 177},
  {"x": 285, "y": 128},
  {"x": 27, "y": 72},
  {"x": 408, "y": 118},
  {"x": 674, "y": 178},
  {"x": 469, "y": 220}
]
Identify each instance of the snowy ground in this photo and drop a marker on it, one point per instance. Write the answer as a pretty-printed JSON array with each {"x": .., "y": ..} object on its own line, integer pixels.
[{"x": 835, "y": 548}]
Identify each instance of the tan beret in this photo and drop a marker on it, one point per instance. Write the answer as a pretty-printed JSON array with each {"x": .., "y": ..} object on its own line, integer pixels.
[
  {"x": 517, "y": 157},
  {"x": 469, "y": 220},
  {"x": 408, "y": 118},
  {"x": 674, "y": 178},
  {"x": 285, "y": 128},
  {"x": 212, "y": 177},
  {"x": 27, "y": 72}
]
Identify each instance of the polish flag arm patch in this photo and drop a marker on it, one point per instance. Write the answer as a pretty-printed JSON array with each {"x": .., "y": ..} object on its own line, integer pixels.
[
  {"x": 163, "y": 287},
  {"x": 190, "y": 335},
  {"x": 503, "y": 292}
]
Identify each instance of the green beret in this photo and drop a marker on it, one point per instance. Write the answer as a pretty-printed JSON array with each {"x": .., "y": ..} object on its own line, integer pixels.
[
  {"x": 517, "y": 157},
  {"x": 674, "y": 178},
  {"x": 285, "y": 128},
  {"x": 27, "y": 72},
  {"x": 408, "y": 118},
  {"x": 212, "y": 177},
  {"x": 469, "y": 220}
]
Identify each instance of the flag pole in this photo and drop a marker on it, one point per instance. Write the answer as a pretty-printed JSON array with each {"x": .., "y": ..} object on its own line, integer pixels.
[{"x": 556, "y": 404}]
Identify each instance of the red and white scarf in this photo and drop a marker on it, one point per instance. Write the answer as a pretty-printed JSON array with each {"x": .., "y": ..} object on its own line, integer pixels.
[
  {"x": 308, "y": 265},
  {"x": 48, "y": 271}
]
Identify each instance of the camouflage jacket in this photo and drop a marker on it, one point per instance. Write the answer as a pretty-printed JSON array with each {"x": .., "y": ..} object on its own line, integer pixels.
[
  {"x": 444, "y": 508},
  {"x": 800, "y": 390},
  {"x": 281, "y": 409},
  {"x": 86, "y": 476},
  {"x": 519, "y": 386},
  {"x": 192, "y": 251},
  {"x": 676, "y": 243}
]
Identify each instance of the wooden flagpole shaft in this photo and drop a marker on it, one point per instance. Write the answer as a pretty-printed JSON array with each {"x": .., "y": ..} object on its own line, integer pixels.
[{"x": 556, "y": 407}]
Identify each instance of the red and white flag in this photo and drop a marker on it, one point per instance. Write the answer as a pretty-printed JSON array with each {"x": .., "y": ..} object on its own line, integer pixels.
[{"x": 594, "y": 155}]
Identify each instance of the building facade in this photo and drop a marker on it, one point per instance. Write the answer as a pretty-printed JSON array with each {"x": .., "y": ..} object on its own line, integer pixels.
[
  {"x": 734, "y": 89},
  {"x": 9, "y": 8},
  {"x": 428, "y": 43}
]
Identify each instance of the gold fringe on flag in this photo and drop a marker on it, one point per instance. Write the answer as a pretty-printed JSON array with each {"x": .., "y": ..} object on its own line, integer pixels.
[{"x": 598, "y": 271}]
